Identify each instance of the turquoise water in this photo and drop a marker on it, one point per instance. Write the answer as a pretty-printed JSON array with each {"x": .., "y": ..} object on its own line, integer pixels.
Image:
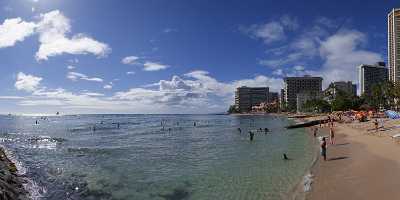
[{"x": 142, "y": 160}]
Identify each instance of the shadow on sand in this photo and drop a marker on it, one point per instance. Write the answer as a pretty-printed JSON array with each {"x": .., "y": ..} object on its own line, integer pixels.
[
  {"x": 338, "y": 158},
  {"x": 342, "y": 144}
]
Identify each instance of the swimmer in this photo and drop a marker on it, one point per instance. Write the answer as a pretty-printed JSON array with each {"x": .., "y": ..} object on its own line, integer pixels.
[
  {"x": 285, "y": 157},
  {"x": 251, "y": 135}
]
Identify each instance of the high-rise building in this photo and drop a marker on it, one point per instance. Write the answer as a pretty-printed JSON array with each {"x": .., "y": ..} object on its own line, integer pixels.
[
  {"x": 370, "y": 75},
  {"x": 247, "y": 97},
  {"x": 394, "y": 45},
  {"x": 296, "y": 85},
  {"x": 346, "y": 87},
  {"x": 282, "y": 102},
  {"x": 273, "y": 97}
]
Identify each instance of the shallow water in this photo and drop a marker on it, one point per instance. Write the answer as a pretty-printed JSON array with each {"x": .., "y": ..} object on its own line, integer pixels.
[{"x": 67, "y": 159}]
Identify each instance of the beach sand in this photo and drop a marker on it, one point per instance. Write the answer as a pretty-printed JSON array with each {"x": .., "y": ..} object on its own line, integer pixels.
[{"x": 360, "y": 166}]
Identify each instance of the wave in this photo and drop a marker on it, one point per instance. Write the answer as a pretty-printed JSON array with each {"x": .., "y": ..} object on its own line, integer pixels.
[
  {"x": 45, "y": 142},
  {"x": 35, "y": 192}
]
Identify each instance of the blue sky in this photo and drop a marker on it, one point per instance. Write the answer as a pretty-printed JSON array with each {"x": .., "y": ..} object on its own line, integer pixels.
[{"x": 155, "y": 56}]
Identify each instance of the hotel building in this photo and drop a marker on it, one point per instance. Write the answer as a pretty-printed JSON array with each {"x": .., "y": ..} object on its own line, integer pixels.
[
  {"x": 394, "y": 45},
  {"x": 370, "y": 75},
  {"x": 296, "y": 85}
]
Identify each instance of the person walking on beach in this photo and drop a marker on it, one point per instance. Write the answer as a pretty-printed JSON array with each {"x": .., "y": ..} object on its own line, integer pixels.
[
  {"x": 332, "y": 135},
  {"x": 323, "y": 148},
  {"x": 376, "y": 125}
]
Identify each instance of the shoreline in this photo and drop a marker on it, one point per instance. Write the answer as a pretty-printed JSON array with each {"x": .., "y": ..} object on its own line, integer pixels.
[
  {"x": 297, "y": 192},
  {"x": 12, "y": 184}
]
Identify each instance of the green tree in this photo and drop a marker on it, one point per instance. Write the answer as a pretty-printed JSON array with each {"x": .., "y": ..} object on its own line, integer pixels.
[
  {"x": 232, "y": 109},
  {"x": 316, "y": 105},
  {"x": 344, "y": 101}
]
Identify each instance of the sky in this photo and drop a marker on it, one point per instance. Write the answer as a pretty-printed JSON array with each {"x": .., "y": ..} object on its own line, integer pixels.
[{"x": 176, "y": 56}]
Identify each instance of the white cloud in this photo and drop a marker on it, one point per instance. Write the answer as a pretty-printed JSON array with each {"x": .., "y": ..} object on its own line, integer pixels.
[
  {"x": 15, "y": 30},
  {"x": 70, "y": 67},
  {"x": 11, "y": 97},
  {"x": 53, "y": 29},
  {"x": 272, "y": 31},
  {"x": 74, "y": 76},
  {"x": 342, "y": 53},
  {"x": 197, "y": 89},
  {"x": 93, "y": 94},
  {"x": 153, "y": 66},
  {"x": 130, "y": 73},
  {"x": 27, "y": 82},
  {"x": 108, "y": 86},
  {"x": 129, "y": 60},
  {"x": 177, "y": 95},
  {"x": 298, "y": 68},
  {"x": 278, "y": 72},
  {"x": 269, "y": 32},
  {"x": 75, "y": 60}
]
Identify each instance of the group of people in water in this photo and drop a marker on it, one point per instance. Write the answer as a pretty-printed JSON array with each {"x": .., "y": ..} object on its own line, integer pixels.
[{"x": 251, "y": 133}]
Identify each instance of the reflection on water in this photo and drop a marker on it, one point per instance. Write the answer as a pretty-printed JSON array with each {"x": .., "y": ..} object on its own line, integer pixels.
[{"x": 157, "y": 156}]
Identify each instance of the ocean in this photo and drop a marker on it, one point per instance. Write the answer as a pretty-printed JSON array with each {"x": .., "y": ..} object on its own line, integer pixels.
[{"x": 157, "y": 157}]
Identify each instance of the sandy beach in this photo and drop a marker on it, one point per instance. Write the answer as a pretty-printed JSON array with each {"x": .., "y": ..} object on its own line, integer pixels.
[{"x": 361, "y": 165}]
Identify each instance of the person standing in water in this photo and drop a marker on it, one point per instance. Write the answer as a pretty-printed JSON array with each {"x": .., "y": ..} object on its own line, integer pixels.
[
  {"x": 285, "y": 157},
  {"x": 332, "y": 135},
  {"x": 251, "y": 135},
  {"x": 323, "y": 148},
  {"x": 240, "y": 130},
  {"x": 315, "y": 131}
]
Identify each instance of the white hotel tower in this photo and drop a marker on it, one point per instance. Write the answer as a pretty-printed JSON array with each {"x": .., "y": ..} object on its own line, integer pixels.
[{"x": 394, "y": 45}]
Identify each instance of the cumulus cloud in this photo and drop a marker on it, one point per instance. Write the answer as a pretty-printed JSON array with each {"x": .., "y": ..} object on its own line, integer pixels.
[
  {"x": 53, "y": 28},
  {"x": 27, "y": 82},
  {"x": 337, "y": 50},
  {"x": 342, "y": 53},
  {"x": 180, "y": 94},
  {"x": 129, "y": 60},
  {"x": 15, "y": 30},
  {"x": 74, "y": 76},
  {"x": 130, "y": 73},
  {"x": 195, "y": 89},
  {"x": 153, "y": 66}
]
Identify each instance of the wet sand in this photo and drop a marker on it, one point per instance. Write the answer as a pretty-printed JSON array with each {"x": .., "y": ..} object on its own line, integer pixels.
[{"x": 360, "y": 166}]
